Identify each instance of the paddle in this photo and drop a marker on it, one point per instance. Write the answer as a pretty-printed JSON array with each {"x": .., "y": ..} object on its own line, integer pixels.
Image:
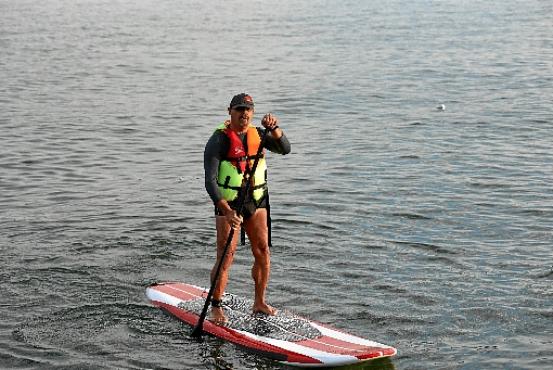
[{"x": 198, "y": 329}]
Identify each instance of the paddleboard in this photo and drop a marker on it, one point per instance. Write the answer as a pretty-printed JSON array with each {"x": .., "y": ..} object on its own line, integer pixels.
[{"x": 284, "y": 337}]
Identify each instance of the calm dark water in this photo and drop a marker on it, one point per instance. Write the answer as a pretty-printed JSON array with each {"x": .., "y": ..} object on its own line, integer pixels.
[{"x": 429, "y": 230}]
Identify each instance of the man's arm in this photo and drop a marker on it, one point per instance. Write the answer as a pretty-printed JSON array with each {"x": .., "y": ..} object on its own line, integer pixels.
[
  {"x": 212, "y": 158},
  {"x": 277, "y": 142}
]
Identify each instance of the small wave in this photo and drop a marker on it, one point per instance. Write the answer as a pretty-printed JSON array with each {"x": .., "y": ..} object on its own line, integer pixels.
[
  {"x": 390, "y": 288},
  {"x": 409, "y": 156},
  {"x": 390, "y": 320},
  {"x": 546, "y": 275},
  {"x": 548, "y": 314},
  {"x": 13, "y": 356},
  {"x": 125, "y": 117},
  {"x": 412, "y": 216},
  {"x": 426, "y": 246},
  {"x": 446, "y": 260},
  {"x": 489, "y": 185}
]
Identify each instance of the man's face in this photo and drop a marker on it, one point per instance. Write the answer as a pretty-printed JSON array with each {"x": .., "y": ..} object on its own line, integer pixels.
[{"x": 241, "y": 117}]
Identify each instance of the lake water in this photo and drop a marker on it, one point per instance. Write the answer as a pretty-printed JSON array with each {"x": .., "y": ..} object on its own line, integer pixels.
[{"x": 427, "y": 229}]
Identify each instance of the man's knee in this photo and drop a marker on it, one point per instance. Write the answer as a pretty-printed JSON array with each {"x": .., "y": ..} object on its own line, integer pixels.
[{"x": 261, "y": 250}]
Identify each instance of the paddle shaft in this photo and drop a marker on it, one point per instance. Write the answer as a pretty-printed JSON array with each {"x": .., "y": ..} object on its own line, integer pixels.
[{"x": 198, "y": 329}]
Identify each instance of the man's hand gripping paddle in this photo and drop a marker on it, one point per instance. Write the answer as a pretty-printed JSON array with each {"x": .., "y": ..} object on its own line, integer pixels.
[{"x": 198, "y": 329}]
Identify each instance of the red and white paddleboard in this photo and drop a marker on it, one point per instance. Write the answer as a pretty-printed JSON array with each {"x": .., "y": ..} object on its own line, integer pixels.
[{"x": 284, "y": 337}]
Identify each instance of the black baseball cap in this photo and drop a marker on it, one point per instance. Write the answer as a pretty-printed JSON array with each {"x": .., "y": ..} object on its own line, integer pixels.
[{"x": 241, "y": 100}]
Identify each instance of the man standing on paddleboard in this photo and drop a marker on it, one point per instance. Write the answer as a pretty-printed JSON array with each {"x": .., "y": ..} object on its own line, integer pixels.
[{"x": 229, "y": 159}]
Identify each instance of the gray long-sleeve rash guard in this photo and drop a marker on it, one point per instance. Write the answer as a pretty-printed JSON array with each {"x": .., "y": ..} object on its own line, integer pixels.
[{"x": 216, "y": 149}]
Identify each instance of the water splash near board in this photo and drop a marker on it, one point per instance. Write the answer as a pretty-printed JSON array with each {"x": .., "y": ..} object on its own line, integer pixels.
[{"x": 285, "y": 337}]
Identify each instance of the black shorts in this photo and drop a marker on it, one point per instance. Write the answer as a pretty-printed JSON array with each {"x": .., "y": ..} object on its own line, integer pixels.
[{"x": 250, "y": 206}]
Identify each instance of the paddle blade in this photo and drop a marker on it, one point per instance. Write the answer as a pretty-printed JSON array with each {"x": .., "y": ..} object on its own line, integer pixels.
[{"x": 198, "y": 330}]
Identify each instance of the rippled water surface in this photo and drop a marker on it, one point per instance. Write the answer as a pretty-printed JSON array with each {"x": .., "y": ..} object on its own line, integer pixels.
[{"x": 427, "y": 229}]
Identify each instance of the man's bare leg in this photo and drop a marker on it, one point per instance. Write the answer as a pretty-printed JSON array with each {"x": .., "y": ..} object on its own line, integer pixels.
[
  {"x": 223, "y": 230},
  {"x": 256, "y": 228}
]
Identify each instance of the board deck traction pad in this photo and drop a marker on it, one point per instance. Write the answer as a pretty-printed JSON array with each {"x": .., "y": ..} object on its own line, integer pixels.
[{"x": 285, "y": 337}]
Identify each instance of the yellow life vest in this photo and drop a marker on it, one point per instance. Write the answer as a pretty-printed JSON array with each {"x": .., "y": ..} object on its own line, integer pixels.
[{"x": 238, "y": 163}]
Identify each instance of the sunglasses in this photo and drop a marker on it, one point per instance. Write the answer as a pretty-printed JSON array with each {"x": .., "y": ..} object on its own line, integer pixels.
[{"x": 242, "y": 109}]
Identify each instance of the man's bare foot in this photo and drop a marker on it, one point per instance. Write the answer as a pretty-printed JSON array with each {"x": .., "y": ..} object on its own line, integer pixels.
[
  {"x": 264, "y": 308},
  {"x": 218, "y": 316}
]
